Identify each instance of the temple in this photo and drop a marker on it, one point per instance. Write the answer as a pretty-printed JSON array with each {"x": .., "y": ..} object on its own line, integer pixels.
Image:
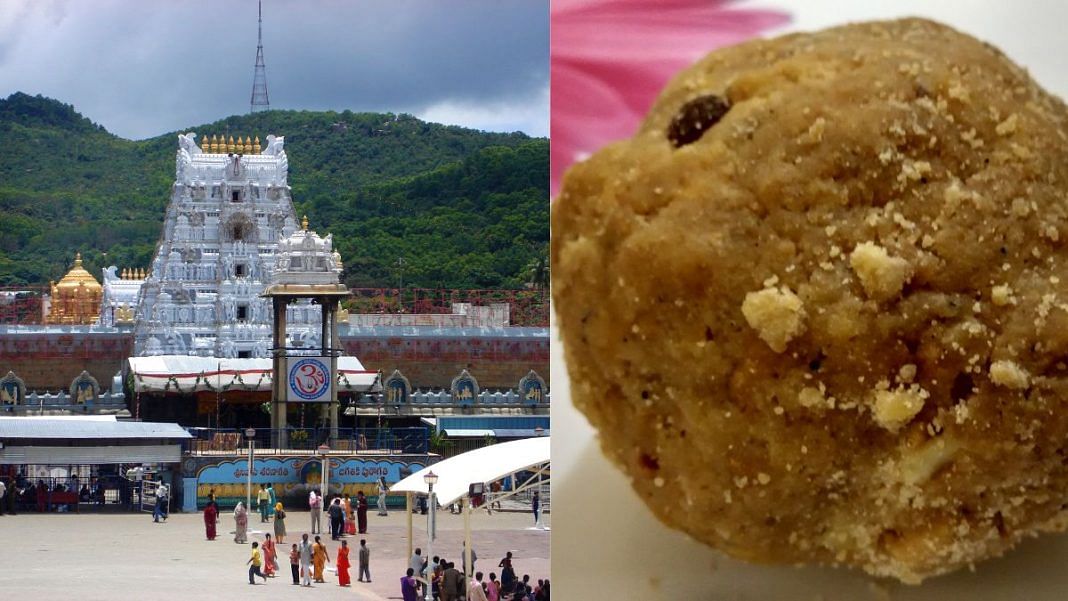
[
  {"x": 234, "y": 336},
  {"x": 230, "y": 207},
  {"x": 75, "y": 299},
  {"x": 188, "y": 338}
]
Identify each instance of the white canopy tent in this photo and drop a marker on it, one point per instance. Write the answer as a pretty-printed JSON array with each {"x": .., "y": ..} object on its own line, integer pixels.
[
  {"x": 480, "y": 466},
  {"x": 483, "y": 465}
]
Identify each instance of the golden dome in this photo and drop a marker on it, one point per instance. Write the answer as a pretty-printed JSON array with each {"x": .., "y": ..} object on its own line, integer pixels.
[
  {"x": 76, "y": 298},
  {"x": 78, "y": 276}
]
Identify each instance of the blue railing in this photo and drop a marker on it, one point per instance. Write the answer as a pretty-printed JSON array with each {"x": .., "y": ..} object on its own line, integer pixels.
[{"x": 414, "y": 440}]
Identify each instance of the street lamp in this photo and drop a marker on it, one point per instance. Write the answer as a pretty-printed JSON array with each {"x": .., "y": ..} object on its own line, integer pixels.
[
  {"x": 431, "y": 479},
  {"x": 250, "y": 434},
  {"x": 323, "y": 450},
  {"x": 539, "y": 432}
]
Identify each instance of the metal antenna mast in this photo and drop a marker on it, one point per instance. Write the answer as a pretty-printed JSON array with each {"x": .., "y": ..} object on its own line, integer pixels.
[{"x": 259, "y": 79}]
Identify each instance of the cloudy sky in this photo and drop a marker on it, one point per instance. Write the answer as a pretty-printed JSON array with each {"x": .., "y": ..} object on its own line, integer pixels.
[{"x": 145, "y": 67}]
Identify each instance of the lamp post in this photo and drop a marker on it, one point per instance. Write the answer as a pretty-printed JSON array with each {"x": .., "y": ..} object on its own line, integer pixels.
[
  {"x": 539, "y": 432},
  {"x": 431, "y": 479},
  {"x": 250, "y": 434},
  {"x": 323, "y": 450}
]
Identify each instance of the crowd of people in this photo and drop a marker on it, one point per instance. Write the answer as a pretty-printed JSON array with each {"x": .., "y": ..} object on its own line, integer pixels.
[
  {"x": 68, "y": 493},
  {"x": 19, "y": 491},
  {"x": 447, "y": 583},
  {"x": 308, "y": 557}
]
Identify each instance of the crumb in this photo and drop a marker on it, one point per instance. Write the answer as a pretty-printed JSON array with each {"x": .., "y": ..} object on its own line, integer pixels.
[
  {"x": 894, "y": 408},
  {"x": 776, "y": 314},
  {"x": 1008, "y": 374},
  {"x": 881, "y": 275}
]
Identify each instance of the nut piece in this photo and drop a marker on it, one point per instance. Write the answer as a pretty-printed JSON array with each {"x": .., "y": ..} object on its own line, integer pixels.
[
  {"x": 918, "y": 465},
  {"x": 1001, "y": 295},
  {"x": 895, "y": 408},
  {"x": 776, "y": 314},
  {"x": 1006, "y": 373},
  {"x": 810, "y": 398},
  {"x": 881, "y": 275}
]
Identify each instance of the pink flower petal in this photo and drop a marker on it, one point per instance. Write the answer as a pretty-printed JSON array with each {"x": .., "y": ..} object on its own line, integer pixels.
[
  {"x": 610, "y": 58},
  {"x": 595, "y": 114}
]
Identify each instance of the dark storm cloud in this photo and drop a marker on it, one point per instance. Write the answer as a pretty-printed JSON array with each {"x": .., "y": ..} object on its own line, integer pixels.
[{"x": 144, "y": 68}]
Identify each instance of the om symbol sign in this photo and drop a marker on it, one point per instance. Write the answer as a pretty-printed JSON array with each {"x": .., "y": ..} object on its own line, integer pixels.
[{"x": 309, "y": 379}]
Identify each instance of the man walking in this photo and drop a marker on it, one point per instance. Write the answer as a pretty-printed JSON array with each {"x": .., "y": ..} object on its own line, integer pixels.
[
  {"x": 315, "y": 504},
  {"x": 452, "y": 583},
  {"x": 365, "y": 561},
  {"x": 463, "y": 557},
  {"x": 382, "y": 491},
  {"x": 335, "y": 513},
  {"x": 158, "y": 511},
  {"x": 305, "y": 551},
  {"x": 3, "y": 494},
  {"x": 262, "y": 499},
  {"x": 535, "y": 504},
  {"x": 361, "y": 511},
  {"x": 164, "y": 496},
  {"x": 495, "y": 489}
]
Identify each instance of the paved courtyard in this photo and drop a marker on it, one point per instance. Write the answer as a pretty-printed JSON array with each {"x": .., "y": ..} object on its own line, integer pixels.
[{"x": 92, "y": 557}]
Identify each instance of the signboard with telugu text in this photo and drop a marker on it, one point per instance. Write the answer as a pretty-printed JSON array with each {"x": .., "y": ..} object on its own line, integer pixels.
[{"x": 292, "y": 477}]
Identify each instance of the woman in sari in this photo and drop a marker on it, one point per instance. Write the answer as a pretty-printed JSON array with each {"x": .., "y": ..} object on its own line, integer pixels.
[
  {"x": 210, "y": 513},
  {"x": 270, "y": 562},
  {"x": 343, "y": 564},
  {"x": 350, "y": 518},
  {"x": 319, "y": 558},
  {"x": 279, "y": 523},
  {"x": 241, "y": 523},
  {"x": 271, "y": 497}
]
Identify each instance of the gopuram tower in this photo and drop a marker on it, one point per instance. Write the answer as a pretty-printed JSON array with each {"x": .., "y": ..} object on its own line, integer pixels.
[{"x": 230, "y": 207}]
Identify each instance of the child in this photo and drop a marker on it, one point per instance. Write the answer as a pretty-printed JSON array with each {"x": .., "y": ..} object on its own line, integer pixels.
[
  {"x": 254, "y": 564},
  {"x": 294, "y": 563}
]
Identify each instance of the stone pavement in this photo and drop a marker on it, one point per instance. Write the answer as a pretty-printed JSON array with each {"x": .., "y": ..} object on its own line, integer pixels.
[{"x": 89, "y": 557}]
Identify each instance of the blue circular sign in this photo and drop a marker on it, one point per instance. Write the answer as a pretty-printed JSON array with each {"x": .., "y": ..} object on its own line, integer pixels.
[{"x": 309, "y": 379}]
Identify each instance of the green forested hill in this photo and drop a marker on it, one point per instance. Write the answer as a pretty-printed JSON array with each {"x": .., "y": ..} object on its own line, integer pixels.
[{"x": 463, "y": 208}]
